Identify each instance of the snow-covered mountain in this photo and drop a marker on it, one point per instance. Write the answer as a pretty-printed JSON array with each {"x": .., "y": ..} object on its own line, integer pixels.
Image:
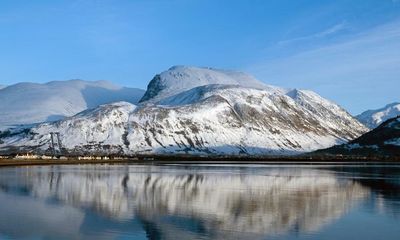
[
  {"x": 382, "y": 141},
  {"x": 224, "y": 116},
  {"x": 372, "y": 118},
  {"x": 2, "y": 86},
  {"x": 27, "y": 103}
]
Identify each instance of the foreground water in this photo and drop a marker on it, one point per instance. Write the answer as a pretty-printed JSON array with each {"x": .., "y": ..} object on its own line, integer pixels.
[{"x": 200, "y": 202}]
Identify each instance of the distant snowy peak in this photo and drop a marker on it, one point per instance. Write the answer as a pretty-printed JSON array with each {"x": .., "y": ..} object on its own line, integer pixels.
[
  {"x": 372, "y": 118},
  {"x": 181, "y": 78},
  {"x": 2, "y": 86},
  {"x": 27, "y": 103}
]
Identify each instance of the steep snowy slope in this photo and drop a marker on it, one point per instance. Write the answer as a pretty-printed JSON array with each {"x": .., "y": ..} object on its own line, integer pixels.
[
  {"x": 27, "y": 103},
  {"x": 383, "y": 140},
  {"x": 372, "y": 118},
  {"x": 180, "y": 78},
  {"x": 103, "y": 126}
]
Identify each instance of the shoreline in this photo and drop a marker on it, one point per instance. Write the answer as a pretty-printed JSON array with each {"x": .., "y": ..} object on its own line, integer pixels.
[
  {"x": 42, "y": 162},
  {"x": 156, "y": 160}
]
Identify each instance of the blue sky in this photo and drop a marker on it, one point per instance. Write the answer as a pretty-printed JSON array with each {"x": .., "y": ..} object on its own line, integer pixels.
[{"x": 347, "y": 51}]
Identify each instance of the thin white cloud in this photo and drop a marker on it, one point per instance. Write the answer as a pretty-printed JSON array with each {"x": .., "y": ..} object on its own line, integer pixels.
[
  {"x": 350, "y": 72},
  {"x": 325, "y": 33}
]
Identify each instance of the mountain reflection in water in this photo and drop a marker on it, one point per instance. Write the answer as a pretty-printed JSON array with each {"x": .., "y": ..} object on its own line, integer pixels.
[{"x": 185, "y": 202}]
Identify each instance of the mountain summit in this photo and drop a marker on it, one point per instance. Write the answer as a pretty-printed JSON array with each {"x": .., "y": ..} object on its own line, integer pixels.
[{"x": 181, "y": 78}]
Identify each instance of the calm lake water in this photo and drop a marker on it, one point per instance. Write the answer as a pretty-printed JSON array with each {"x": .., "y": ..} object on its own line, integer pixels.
[{"x": 200, "y": 202}]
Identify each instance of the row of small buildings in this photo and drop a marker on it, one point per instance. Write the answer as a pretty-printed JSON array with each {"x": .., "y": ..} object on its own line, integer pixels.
[{"x": 30, "y": 155}]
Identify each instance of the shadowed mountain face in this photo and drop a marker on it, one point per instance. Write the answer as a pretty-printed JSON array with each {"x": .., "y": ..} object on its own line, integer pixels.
[
  {"x": 231, "y": 114},
  {"x": 167, "y": 202},
  {"x": 382, "y": 141},
  {"x": 27, "y": 103}
]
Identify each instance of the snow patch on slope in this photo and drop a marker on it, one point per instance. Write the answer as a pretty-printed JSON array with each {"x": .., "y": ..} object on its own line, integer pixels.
[{"x": 393, "y": 142}]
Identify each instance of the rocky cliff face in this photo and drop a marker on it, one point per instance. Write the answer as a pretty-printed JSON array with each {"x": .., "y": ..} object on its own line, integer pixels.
[{"x": 242, "y": 117}]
